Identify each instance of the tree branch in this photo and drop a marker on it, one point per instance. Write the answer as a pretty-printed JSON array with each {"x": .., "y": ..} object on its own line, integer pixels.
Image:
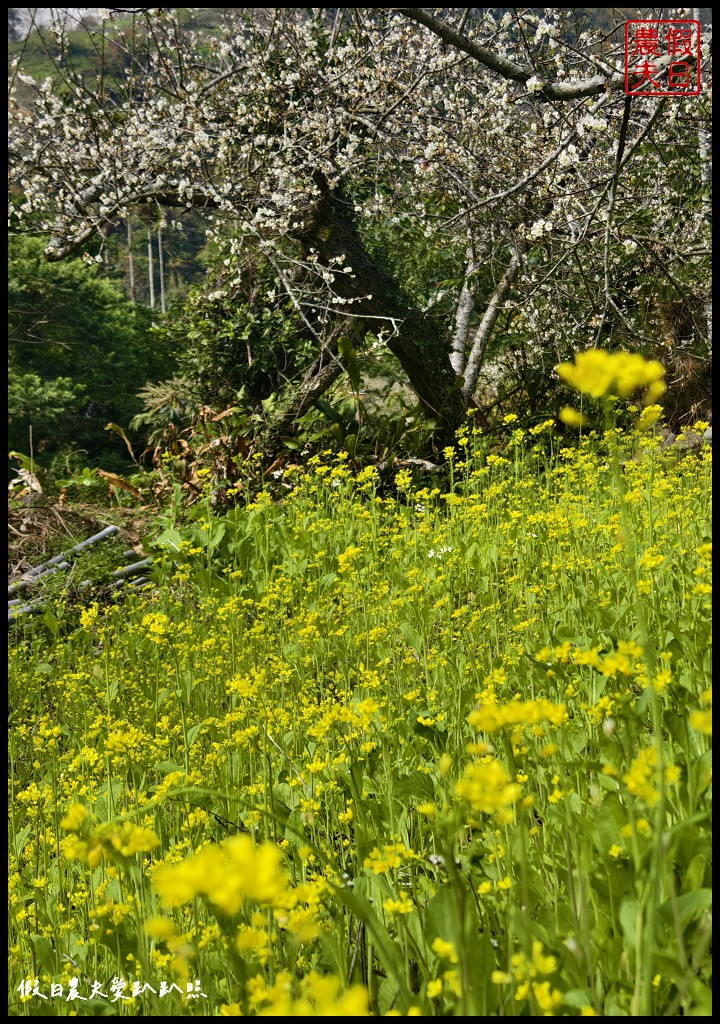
[
  {"x": 465, "y": 306},
  {"x": 482, "y": 337},
  {"x": 561, "y": 91}
]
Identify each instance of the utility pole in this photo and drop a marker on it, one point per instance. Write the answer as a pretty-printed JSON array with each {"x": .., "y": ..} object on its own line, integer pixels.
[
  {"x": 161, "y": 266},
  {"x": 131, "y": 261},
  {"x": 151, "y": 275}
]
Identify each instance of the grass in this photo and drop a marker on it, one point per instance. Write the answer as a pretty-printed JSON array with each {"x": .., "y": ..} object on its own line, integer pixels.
[{"x": 416, "y": 753}]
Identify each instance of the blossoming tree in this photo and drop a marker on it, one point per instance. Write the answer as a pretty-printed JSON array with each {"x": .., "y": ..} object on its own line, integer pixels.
[{"x": 507, "y": 141}]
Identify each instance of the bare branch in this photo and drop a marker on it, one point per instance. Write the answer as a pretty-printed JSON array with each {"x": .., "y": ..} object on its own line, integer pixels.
[
  {"x": 465, "y": 306},
  {"x": 484, "y": 331}
]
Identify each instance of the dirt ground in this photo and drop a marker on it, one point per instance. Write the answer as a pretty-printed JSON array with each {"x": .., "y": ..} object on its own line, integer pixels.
[{"x": 37, "y": 532}]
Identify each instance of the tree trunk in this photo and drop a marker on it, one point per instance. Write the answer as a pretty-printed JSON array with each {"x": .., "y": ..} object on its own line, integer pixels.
[
  {"x": 465, "y": 307},
  {"x": 482, "y": 336},
  {"x": 417, "y": 339}
]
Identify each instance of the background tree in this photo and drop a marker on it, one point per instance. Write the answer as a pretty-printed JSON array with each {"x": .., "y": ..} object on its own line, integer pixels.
[
  {"x": 505, "y": 142},
  {"x": 79, "y": 351}
]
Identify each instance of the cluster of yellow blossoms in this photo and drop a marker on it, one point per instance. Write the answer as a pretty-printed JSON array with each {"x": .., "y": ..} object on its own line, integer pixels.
[
  {"x": 602, "y": 374},
  {"x": 597, "y": 373},
  {"x": 228, "y": 874}
]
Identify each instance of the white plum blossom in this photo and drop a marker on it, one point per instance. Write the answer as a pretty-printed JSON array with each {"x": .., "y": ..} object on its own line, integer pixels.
[
  {"x": 419, "y": 139},
  {"x": 568, "y": 157}
]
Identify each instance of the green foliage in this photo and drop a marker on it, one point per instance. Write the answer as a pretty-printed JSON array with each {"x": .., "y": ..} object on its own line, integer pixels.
[
  {"x": 45, "y": 404},
  {"x": 230, "y": 337},
  {"x": 39, "y": 50},
  {"x": 182, "y": 238},
  {"x": 430, "y": 269},
  {"x": 78, "y": 353},
  {"x": 166, "y": 404}
]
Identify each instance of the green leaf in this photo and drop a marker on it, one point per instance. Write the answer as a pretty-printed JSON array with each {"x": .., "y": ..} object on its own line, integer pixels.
[
  {"x": 412, "y": 636},
  {"x": 186, "y": 684},
  {"x": 418, "y": 786},
  {"x": 566, "y": 633},
  {"x": 695, "y": 873},
  {"x": 295, "y": 833},
  {"x": 483, "y": 994},
  {"x": 98, "y": 1008},
  {"x": 451, "y": 916},
  {"x": 347, "y": 351},
  {"x": 577, "y": 998},
  {"x": 702, "y": 1000},
  {"x": 170, "y": 538},
  {"x": 19, "y": 840},
  {"x": 387, "y": 953},
  {"x": 25, "y": 461},
  {"x": 435, "y": 733},
  {"x": 701, "y": 772},
  {"x": 102, "y": 806},
  {"x": 685, "y": 908},
  {"x": 441, "y": 917},
  {"x": 388, "y": 992},
  {"x": 46, "y": 958},
  {"x": 628, "y": 920},
  {"x": 328, "y": 411},
  {"x": 216, "y": 536},
  {"x": 193, "y": 734},
  {"x": 51, "y": 620},
  {"x": 121, "y": 433}
]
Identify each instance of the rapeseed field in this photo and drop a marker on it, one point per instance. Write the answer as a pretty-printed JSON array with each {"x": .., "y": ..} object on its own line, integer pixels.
[{"x": 406, "y": 751}]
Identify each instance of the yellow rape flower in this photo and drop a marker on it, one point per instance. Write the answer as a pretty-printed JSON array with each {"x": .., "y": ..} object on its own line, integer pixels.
[
  {"x": 403, "y": 905},
  {"x": 126, "y": 740},
  {"x": 74, "y": 817},
  {"x": 392, "y": 856},
  {"x": 490, "y": 717},
  {"x": 548, "y": 999},
  {"x": 648, "y": 417},
  {"x": 597, "y": 373},
  {"x": 643, "y": 778},
  {"x": 702, "y": 720},
  {"x": 89, "y": 615},
  {"x": 434, "y": 988},
  {"x": 487, "y": 787},
  {"x": 445, "y": 950},
  {"x": 109, "y": 842},
  {"x": 571, "y": 417},
  {"x": 227, "y": 875}
]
